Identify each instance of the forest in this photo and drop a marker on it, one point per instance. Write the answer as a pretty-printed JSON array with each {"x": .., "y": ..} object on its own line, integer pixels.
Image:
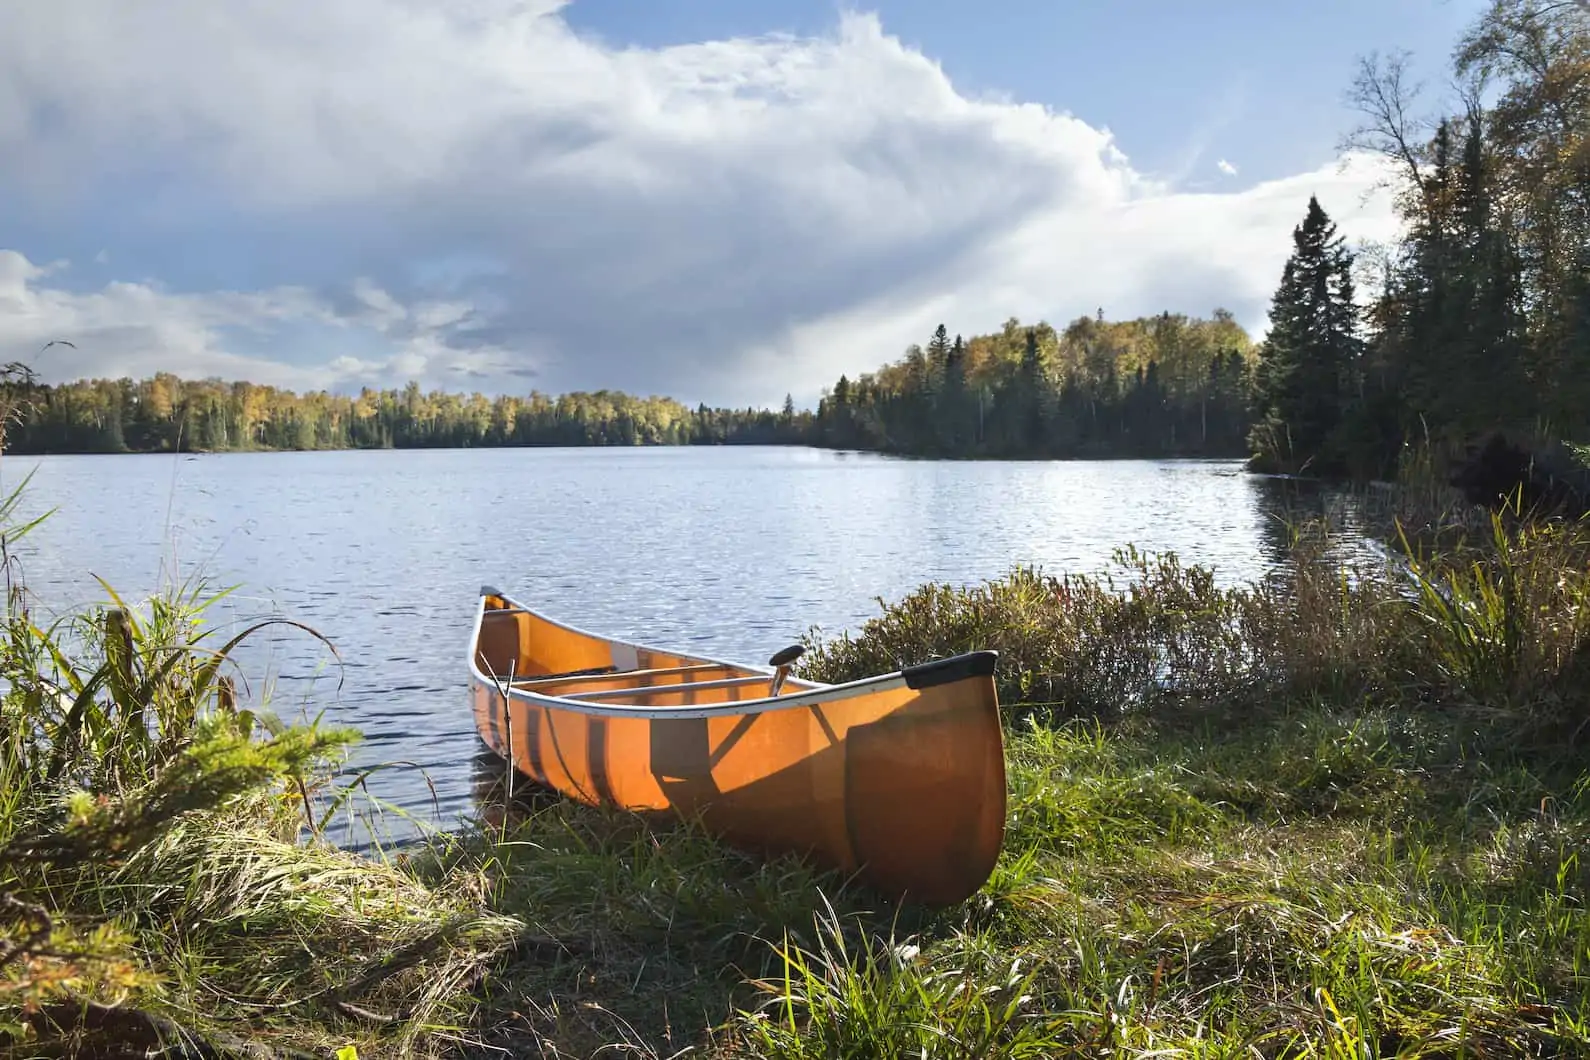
[
  {"x": 1167, "y": 385},
  {"x": 1158, "y": 386},
  {"x": 1477, "y": 319},
  {"x": 169, "y": 414}
]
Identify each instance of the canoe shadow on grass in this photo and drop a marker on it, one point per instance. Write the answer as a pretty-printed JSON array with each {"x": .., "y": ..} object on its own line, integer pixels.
[
  {"x": 660, "y": 927},
  {"x": 512, "y": 810}
]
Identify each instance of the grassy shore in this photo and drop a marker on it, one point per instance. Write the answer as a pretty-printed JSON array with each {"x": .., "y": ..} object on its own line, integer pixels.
[{"x": 1340, "y": 813}]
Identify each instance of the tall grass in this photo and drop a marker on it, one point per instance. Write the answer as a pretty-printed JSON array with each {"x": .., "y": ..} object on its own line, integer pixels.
[
  {"x": 153, "y": 888},
  {"x": 1509, "y": 624}
]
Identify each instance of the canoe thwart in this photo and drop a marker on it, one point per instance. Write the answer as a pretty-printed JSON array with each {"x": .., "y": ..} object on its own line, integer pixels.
[{"x": 568, "y": 675}]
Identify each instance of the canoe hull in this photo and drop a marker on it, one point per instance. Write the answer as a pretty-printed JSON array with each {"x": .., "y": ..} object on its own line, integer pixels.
[{"x": 899, "y": 780}]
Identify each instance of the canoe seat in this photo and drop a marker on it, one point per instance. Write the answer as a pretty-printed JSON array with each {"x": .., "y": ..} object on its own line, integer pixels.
[
  {"x": 589, "y": 671},
  {"x": 608, "y": 673},
  {"x": 644, "y": 691}
]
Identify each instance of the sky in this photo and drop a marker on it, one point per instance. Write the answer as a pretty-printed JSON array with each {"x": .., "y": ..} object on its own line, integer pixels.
[{"x": 718, "y": 200}]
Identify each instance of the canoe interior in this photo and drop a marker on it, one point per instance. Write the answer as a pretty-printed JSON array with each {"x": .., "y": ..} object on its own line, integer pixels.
[
  {"x": 899, "y": 779},
  {"x": 533, "y": 653}
]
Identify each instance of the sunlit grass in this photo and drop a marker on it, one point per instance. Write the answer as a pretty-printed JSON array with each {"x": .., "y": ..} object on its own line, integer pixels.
[
  {"x": 1184, "y": 923},
  {"x": 153, "y": 885}
]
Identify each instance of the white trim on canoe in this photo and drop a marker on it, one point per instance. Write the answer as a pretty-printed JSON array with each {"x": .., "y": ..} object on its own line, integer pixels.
[{"x": 815, "y": 695}]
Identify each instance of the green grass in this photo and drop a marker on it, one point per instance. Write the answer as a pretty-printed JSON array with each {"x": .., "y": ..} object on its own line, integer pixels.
[
  {"x": 1343, "y": 813},
  {"x": 153, "y": 887},
  {"x": 1389, "y": 895},
  {"x": 1328, "y": 879}
]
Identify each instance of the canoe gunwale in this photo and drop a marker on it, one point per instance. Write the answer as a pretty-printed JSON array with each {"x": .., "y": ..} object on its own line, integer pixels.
[{"x": 924, "y": 675}]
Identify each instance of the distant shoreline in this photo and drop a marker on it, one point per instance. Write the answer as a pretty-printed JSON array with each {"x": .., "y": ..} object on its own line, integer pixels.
[{"x": 961, "y": 458}]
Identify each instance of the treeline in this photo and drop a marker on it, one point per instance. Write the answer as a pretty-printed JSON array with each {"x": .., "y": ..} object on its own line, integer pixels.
[
  {"x": 1158, "y": 386},
  {"x": 167, "y": 414},
  {"x": 1166, "y": 385},
  {"x": 1478, "y": 319}
]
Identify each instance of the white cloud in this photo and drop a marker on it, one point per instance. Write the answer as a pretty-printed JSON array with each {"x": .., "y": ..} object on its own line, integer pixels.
[
  {"x": 1226, "y": 167},
  {"x": 475, "y": 196},
  {"x": 136, "y": 330},
  {"x": 125, "y": 327}
]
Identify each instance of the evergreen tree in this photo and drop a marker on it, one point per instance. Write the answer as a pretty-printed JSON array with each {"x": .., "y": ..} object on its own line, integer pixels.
[
  {"x": 1488, "y": 387},
  {"x": 939, "y": 350},
  {"x": 951, "y": 405},
  {"x": 1309, "y": 362},
  {"x": 1032, "y": 385}
]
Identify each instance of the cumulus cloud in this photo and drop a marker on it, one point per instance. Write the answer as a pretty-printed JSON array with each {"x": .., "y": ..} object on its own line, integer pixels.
[
  {"x": 348, "y": 192},
  {"x": 138, "y": 329}
]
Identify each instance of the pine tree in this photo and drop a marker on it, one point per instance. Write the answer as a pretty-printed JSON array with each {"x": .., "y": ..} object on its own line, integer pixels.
[
  {"x": 1488, "y": 385},
  {"x": 1308, "y": 364},
  {"x": 1032, "y": 383},
  {"x": 955, "y": 366},
  {"x": 952, "y": 404},
  {"x": 938, "y": 350}
]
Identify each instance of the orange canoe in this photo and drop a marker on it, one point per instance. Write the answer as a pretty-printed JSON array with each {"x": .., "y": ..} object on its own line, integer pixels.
[{"x": 898, "y": 778}]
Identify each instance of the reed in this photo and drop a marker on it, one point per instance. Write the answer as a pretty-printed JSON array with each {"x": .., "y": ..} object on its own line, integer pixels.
[{"x": 154, "y": 888}]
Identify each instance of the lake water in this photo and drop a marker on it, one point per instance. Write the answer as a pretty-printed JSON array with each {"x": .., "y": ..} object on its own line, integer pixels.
[{"x": 732, "y": 552}]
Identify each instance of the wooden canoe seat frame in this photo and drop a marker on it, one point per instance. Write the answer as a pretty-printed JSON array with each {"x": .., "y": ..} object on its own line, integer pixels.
[
  {"x": 611, "y": 674},
  {"x": 644, "y": 691}
]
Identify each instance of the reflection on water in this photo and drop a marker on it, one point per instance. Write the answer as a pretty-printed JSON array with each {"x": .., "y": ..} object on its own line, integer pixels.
[
  {"x": 1289, "y": 504},
  {"x": 730, "y": 552}
]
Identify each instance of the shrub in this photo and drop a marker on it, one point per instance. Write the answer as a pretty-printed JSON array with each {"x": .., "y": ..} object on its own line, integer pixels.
[{"x": 1504, "y": 625}]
